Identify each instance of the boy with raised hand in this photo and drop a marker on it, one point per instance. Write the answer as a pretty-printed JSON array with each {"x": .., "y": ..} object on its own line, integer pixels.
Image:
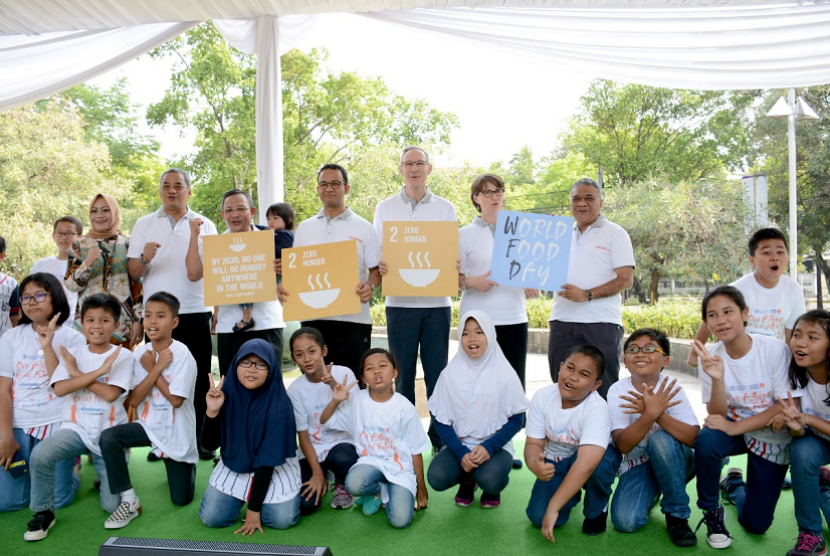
[
  {"x": 775, "y": 300},
  {"x": 164, "y": 380},
  {"x": 568, "y": 431},
  {"x": 65, "y": 231},
  {"x": 9, "y": 302},
  {"x": 94, "y": 379},
  {"x": 654, "y": 426}
]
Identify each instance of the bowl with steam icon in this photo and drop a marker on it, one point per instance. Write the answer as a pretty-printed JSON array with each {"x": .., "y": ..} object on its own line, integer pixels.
[
  {"x": 238, "y": 244},
  {"x": 419, "y": 277},
  {"x": 320, "y": 296}
]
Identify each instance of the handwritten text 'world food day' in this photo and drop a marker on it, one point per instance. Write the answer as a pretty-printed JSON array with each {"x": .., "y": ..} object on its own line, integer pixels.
[{"x": 534, "y": 242}]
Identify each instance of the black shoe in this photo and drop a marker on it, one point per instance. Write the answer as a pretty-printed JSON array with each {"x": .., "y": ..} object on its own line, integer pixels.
[
  {"x": 680, "y": 532},
  {"x": 39, "y": 526},
  {"x": 206, "y": 454},
  {"x": 716, "y": 533},
  {"x": 734, "y": 477},
  {"x": 595, "y": 525},
  {"x": 517, "y": 463},
  {"x": 153, "y": 457}
]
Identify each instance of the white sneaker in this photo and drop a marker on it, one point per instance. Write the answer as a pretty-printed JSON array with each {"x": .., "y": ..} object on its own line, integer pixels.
[
  {"x": 39, "y": 526},
  {"x": 123, "y": 514},
  {"x": 342, "y": 499}
]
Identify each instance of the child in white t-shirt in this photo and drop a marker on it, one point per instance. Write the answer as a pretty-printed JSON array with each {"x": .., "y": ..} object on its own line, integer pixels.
[
  {"x": 568, "y": 431},
  {"x": 94, "y": 380},
  {"x": 809, "y": 425},
  {"x": 742, "y": 375},
  {"x": 323, "y": 449},
  {"x": 65, "y": 231},
  {"x": 389, "y": 438},
  {"x": 654, "y": 428},
  {"x": 164, "y": 379},
  {"x": 774, "y": 300},
  {"x": 9, "y": 297},
  {"x": 29, "y": 413}
]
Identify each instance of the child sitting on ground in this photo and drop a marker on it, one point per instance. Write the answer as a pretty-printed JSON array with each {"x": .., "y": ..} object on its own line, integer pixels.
[
  {"x": 164, "y": 379},
  {"x": 389, "y": 438},
  {"x": 654, "y": 427},
  {"x": 479, "y": 405},
  {"x": 94, "y": 379},
  {"x": 568, "y": 430},
  {"x": 742, "y": 375},
  {"x": 324, "y": 449}
]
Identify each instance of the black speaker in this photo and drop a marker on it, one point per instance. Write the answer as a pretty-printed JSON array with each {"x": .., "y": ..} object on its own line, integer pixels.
[{"x": 126, "y": 546}]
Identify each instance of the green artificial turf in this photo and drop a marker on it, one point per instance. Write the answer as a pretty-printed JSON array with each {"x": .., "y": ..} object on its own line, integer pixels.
[{"x": 443, "y": 528}]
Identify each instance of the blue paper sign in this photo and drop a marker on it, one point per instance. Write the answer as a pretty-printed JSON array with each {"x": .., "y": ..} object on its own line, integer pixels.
[{"x": 531, "y": 250}]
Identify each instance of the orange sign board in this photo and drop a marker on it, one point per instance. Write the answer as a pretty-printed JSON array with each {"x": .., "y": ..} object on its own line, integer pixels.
[
  {"x": 420, "y": 258},
  {"x": 239, "y": 268},
  {"x": 321, "y": 280}
]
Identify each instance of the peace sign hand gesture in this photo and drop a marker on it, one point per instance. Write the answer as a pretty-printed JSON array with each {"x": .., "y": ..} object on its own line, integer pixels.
[
  {"x": 712, "y": 364},
  {"x": 45, "y": 334},
  {"x": 215, "y": 397}
]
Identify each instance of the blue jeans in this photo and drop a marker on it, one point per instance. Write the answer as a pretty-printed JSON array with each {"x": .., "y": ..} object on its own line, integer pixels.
[
  {"x": 809, "y": 453},
  {"x": 639, "y": 487},
  {"x": 339, "y": 460},
  {"x": 759, "y": 494},
  {"x": 430, "y": 329},
  {"x": 365, "y": 480},
  {"x": 222, "y": 510},
  {"x": 492, "y": 476},
  {"x": 48, "y": 454},
  {"x": 597, "y": 490},
  {"x": 15, "y": 493}
]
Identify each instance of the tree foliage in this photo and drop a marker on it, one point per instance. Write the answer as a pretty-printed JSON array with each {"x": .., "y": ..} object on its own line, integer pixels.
[
  {"x": 637, "y": 132},
  {"x": 48, "y": 169},
  {"x": 691, "y": 230},
  {"x": 341, "y": 118}
]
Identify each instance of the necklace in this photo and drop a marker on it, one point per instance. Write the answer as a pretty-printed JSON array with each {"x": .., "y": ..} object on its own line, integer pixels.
[{"x": 37, "y": 339}]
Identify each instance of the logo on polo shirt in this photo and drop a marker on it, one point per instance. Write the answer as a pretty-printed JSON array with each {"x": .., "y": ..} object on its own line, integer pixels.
[
  {"x": 602, "y": 247},
  {"x": 356, "y": 239}
]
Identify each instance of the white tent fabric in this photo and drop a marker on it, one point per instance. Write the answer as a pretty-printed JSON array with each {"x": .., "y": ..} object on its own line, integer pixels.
[{"x": 703, "y": 44}]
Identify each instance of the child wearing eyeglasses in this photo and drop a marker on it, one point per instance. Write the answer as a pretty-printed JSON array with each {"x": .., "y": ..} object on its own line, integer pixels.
[
  {"x": 65, "y": 231},
  {"x": 653, "y": 427}
]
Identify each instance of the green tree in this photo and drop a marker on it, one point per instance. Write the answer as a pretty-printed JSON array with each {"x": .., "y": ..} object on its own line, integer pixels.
[
  {"x": 635, "y": 132},
  {"x": 689, "y": 229},
  {"x": 48, "y": 169},
  {"x": 341, "y": 118},
  {"x": 551, "y": 192}
]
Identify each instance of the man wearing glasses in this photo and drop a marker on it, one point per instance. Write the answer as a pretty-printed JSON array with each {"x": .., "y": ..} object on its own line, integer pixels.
[
  {"x": 601, "y": 266},
  {"x": 414, "y": 322},
  {"x": 347, "y": 336},
  {"x": 158, "y": 247},
  {"x": 65, "y": 231},
  {"x": 238, "y": 211}
]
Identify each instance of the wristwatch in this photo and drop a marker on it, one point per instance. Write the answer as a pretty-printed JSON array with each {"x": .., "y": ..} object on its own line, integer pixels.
[
  {"x": 590, "y": 295},
  {"x": 141, "y": 259}
]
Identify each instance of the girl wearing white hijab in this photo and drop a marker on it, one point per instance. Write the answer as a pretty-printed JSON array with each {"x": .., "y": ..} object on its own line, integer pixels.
[{"x": 479, "y": 405}]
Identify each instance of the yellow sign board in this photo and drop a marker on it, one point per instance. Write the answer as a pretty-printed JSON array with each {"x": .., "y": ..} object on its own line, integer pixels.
[
  {"x": 321, "y": 280},
  {"x": 420, "y": 258},
  {"x": 239, "y": 268}
]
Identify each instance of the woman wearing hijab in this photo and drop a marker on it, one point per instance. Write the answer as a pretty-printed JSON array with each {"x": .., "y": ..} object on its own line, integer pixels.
[
  {"x": 98, "y": 264},
  {"x": 479, "y": 405},
  {"x": 249, "y": 415}
]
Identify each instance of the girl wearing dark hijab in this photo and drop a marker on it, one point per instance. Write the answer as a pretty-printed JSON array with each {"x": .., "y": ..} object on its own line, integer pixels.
[{"x": 249, "y": 415}]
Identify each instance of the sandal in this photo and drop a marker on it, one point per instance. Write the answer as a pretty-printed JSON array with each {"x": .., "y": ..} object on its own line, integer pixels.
[{"x": 246, "y": 325}]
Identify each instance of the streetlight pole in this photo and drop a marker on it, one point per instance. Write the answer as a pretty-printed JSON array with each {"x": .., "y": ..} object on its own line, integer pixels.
[{"x": 794, "y": 109}]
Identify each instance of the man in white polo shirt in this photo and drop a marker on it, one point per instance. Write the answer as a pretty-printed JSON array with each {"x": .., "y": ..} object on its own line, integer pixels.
[
  {"x": 238, "y": 211},
  {"x": 417, "y": 321},
  {"x": 588, "y": 308},
  {"x": 158, "y": 247},
  {"x": 347, "y": 336}
]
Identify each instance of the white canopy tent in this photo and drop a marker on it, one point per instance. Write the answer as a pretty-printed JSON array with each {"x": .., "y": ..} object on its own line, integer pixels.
[{"x": 47, "y": 46}]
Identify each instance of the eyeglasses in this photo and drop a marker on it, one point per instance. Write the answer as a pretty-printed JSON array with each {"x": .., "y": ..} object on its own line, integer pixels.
[
  {"x": 333, "y": 185},
  {"x": 37, "y": 298},
  {"x": 236, "y": 210},
  {"x": 421, "y": 164},
  {"x": 490, "y": 192},
  {"x": 66, "y": 234},
  {"x": 246, "y": 364},
  {"x": 647, "y": 349}
]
